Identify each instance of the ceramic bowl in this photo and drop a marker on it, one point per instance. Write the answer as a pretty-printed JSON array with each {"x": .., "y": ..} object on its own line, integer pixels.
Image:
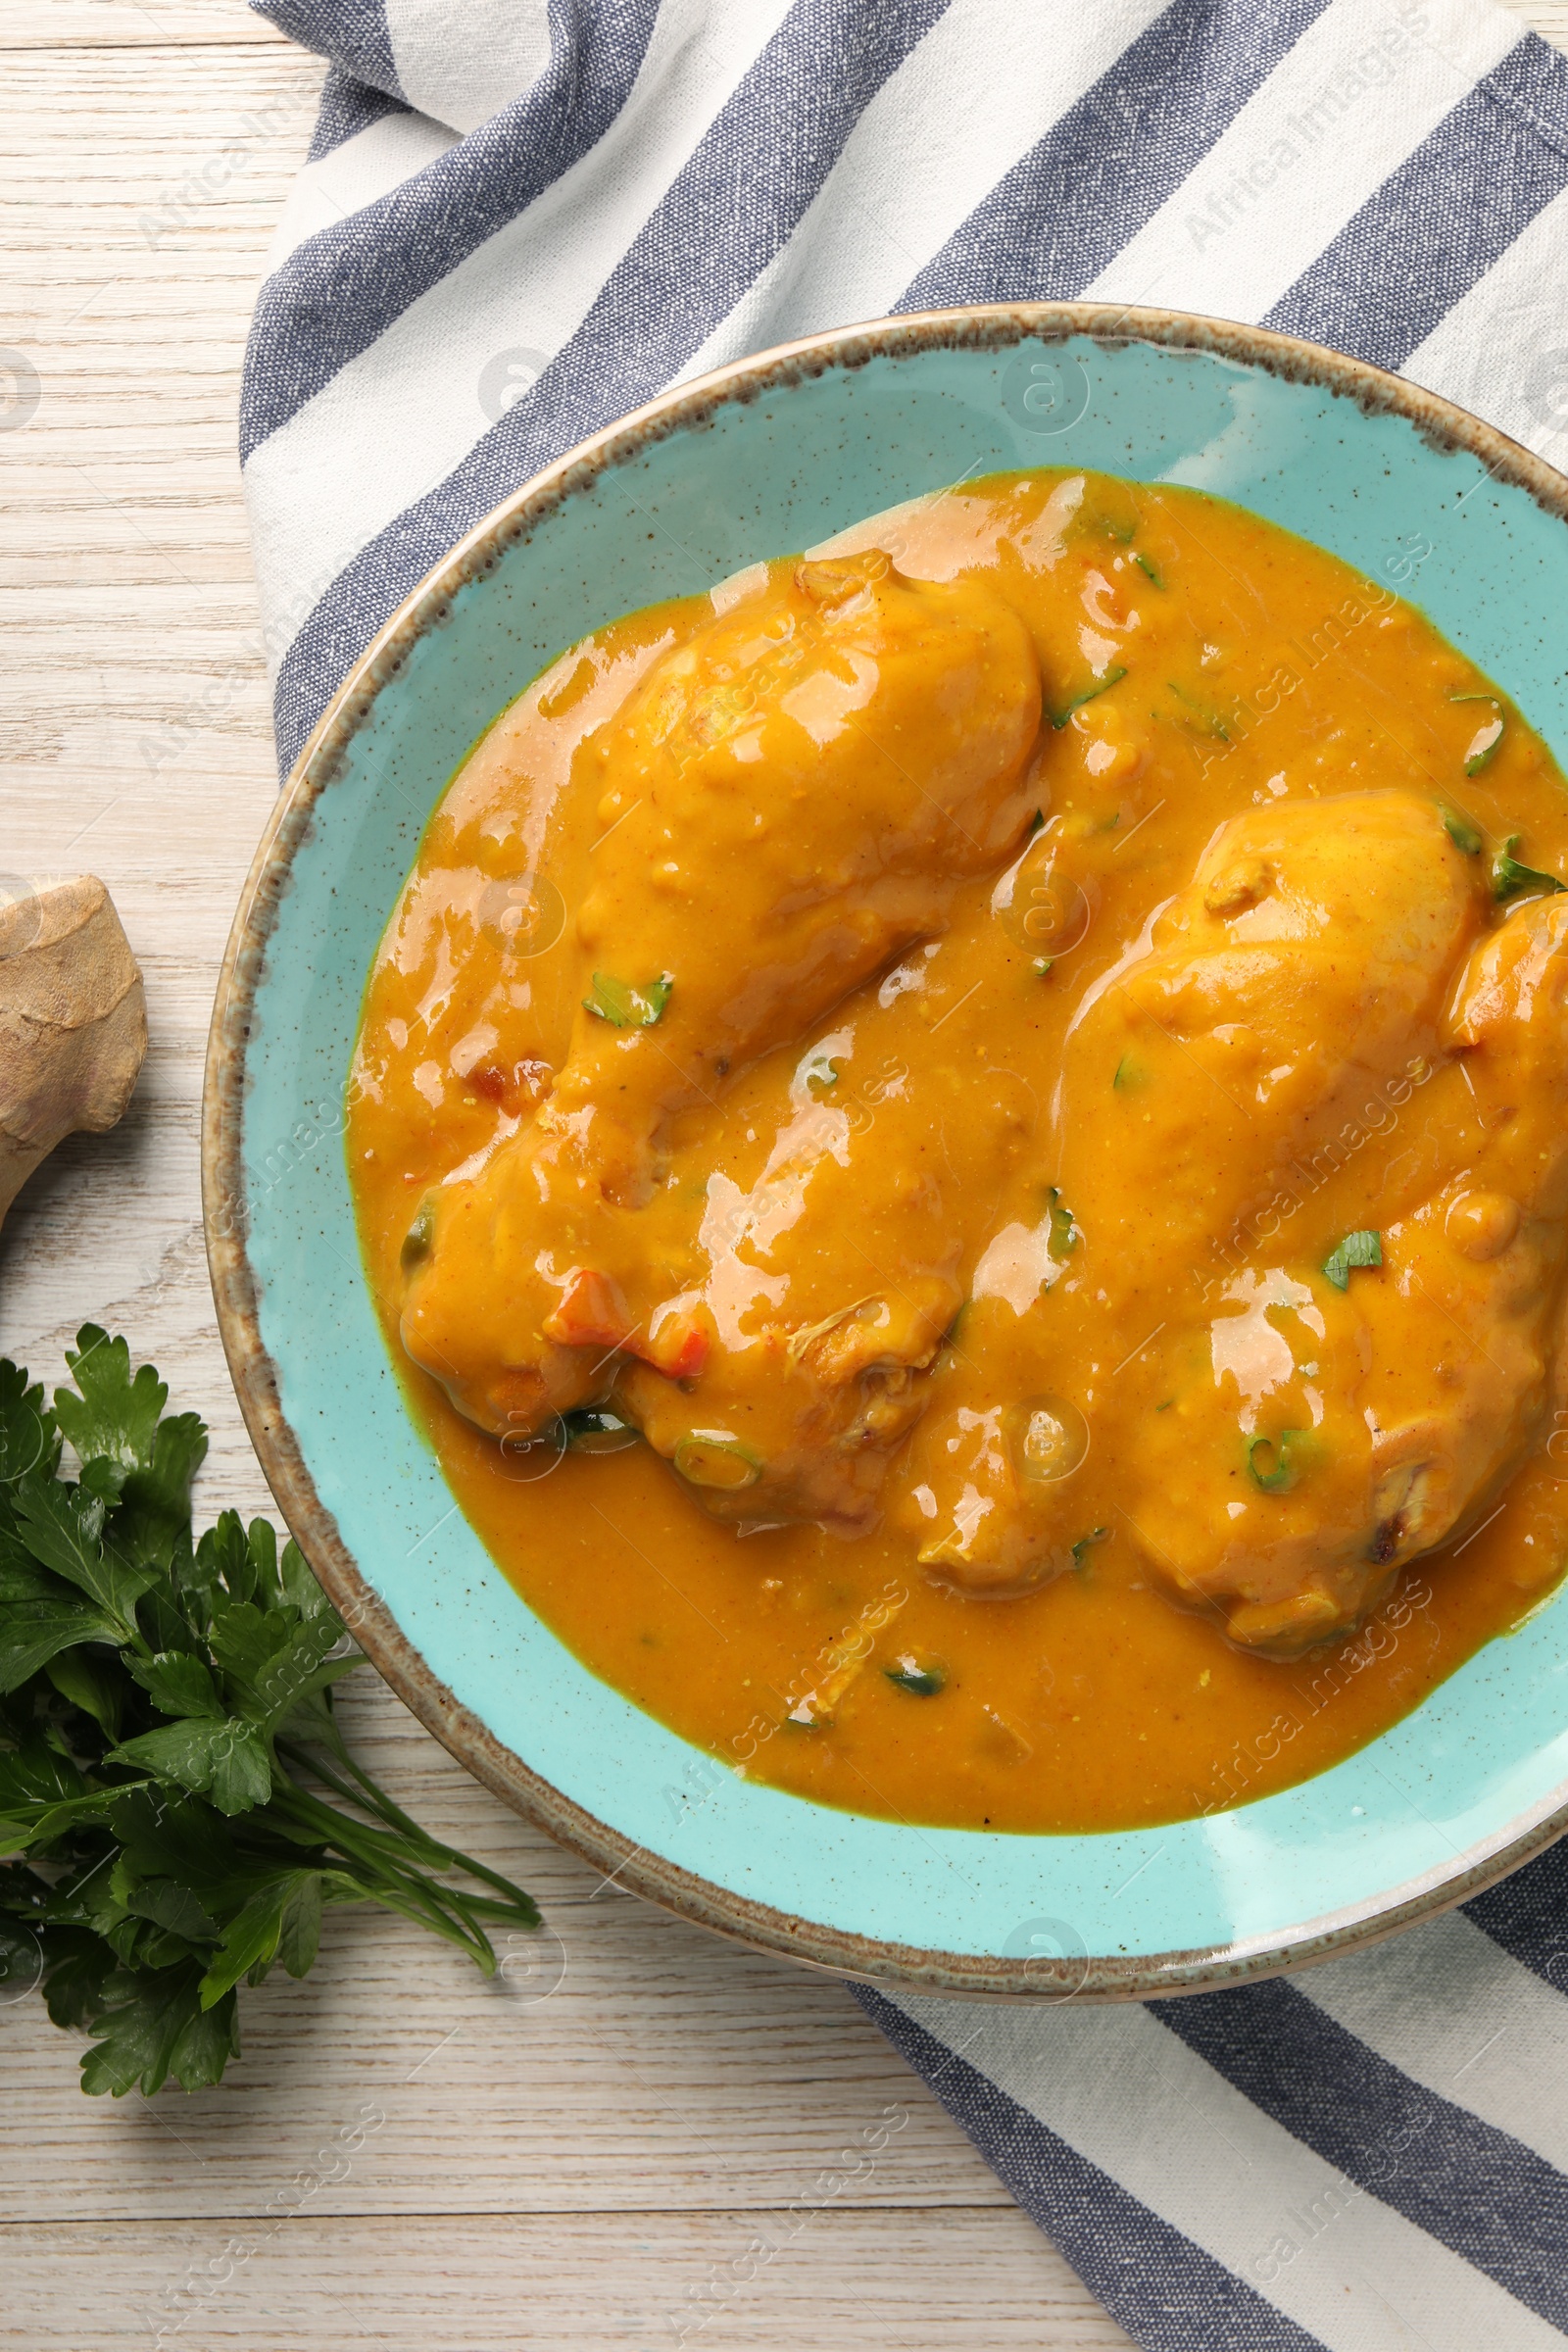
[{"x": 781, "y": 452}]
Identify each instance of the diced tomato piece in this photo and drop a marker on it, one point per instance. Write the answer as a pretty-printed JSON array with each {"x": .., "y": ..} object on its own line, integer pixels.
[
  {"x": 678, "y": 1347},
  {"x": 592, "y": 1312}
]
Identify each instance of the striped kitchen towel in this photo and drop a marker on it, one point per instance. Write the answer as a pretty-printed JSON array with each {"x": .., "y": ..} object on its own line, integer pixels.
[{"x": 522, "y": 217}]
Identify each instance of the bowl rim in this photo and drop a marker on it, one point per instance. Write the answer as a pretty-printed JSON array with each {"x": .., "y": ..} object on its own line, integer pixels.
[{"x": 912, "y": 1969}]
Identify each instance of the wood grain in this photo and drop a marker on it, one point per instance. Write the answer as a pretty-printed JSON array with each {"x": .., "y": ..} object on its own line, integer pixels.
[
  {"x": 711, "y": 2280},
  {"x": 582, "y": 2162},
  {"x": 557, "y": 2170}
]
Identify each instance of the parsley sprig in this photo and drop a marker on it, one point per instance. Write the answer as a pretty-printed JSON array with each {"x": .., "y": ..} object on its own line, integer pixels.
[{"x": 164, "y": 1704}]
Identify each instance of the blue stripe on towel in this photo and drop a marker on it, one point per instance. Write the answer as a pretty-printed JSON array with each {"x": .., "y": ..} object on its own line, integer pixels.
[
  {"x": 1067, "y": 208},
  {"x": 738, "y": 202},
  {"x": 346, "y": 285},
  {"x": 1438, "y": 225},
  {"x": 1471, "y": 2186},
  {"x": 348, "y": 107},
  {"x": 1528, "y": 1915},
  {"x": 354, "y": 36},
  {"x": 738, "y": 199},
  {"x": 1164, "y": 2289}
]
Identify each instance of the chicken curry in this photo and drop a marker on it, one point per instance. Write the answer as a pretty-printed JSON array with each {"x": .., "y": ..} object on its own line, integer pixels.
[{"x": 964, "y": 1147}]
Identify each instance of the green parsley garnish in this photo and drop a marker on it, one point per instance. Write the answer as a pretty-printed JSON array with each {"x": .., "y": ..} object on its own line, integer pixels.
[
  {"x": 420, "y": 1235},
  {"x": 624, "y": 1006},
  {"x": 1270, "y": 1460},
  {"x": 1483, "y": 745},
  {"x": 1043, "y": 966},
  {"x": 594, "y": 1429},
  {"x": 163, "y": 1704},
  {"x": 1145, "y": 566},
  {"x": 1060, "y": 719},
  {"x": 1509, "y": 877},
  {"x": 712, "y": 1457},
  {"x": 1213, "y": 724},
  {"x": 1086, "y": 1544},
  {"x": 1064, "y": 1234},
  {"x": 1460, "y": 831},
  {"x": 1361, "y": 1249},
  {"x": 921, "y": 1680}
]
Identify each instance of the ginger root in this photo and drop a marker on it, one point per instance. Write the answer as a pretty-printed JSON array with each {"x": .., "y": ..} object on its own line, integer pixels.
[{"x": 73, "y": 1022}]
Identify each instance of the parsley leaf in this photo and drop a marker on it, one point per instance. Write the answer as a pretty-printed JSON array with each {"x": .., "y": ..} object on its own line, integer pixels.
[
  {"x": 1064, "y": 1235},
  {"x": 624, "y": 1006},
  {"x": 1509, "y": 877},
  {"x": 176, "y": 1801},
  {"x": 1361, "y": 1249},
  {"x": 1275, "y": 1463},
  {"x": 1464, "y": 836},
  {"x": 1482, "y": 747},
  {"x": 1059, "y": 718}
]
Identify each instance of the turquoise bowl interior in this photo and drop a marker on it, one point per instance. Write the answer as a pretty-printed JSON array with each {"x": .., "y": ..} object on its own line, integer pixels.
[{"x": 778, "y": 455}]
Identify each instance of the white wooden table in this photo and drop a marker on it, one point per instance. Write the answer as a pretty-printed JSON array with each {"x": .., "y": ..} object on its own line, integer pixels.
[{"x": 568, "y": 2171}]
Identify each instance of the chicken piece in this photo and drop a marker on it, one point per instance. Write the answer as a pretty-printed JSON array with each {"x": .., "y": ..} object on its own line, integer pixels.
[
  {"x": 1462, "y": 1327},
  {"x": 981, "y": 1505},
  {"x": 828, "y": 1285},
  {"x": 1397, "y": 1407},
  {"x": 789, "y": 800},
  {"x": 1307, "y": 961}
]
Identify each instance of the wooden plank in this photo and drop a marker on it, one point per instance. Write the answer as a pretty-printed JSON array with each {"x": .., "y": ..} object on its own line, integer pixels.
[
  {"x": 136, "y": 725},
  {"x": 815, "y": 2281},
  {"x": 132, "y": 25}
]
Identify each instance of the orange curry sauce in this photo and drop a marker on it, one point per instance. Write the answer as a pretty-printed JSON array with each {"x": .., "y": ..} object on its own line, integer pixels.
[{"x": 1196, "y": 664}]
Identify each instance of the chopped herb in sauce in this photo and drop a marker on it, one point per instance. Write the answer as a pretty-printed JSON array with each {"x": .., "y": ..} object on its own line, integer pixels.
[
  {"x": 1482, "y": 748},
  {"x": 624, "y": 1006},
  {"x": 420, "y": 1235},
  {"x": 1113, "y": 677},
  {"x": 1043, "y": 966},
  {"x": 1509, "y": 877},
  {"x": 1213, "y": 724},
  {"x": 1064, "y": 1234},
  {"x": 1484, "y": 745},
  {"x": 1145, "y": 566},
  {"x": 1361, "y": 1249},
  {"x": 920, "y": 1677},
  {"x": 1273, "y": 1462},
  {"x": 1086, "y": 1544},
  {"x": 593, "y": 1429},
  {"x": 1460, "y": 831},
  {"x": 712, "y": 1457}
]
